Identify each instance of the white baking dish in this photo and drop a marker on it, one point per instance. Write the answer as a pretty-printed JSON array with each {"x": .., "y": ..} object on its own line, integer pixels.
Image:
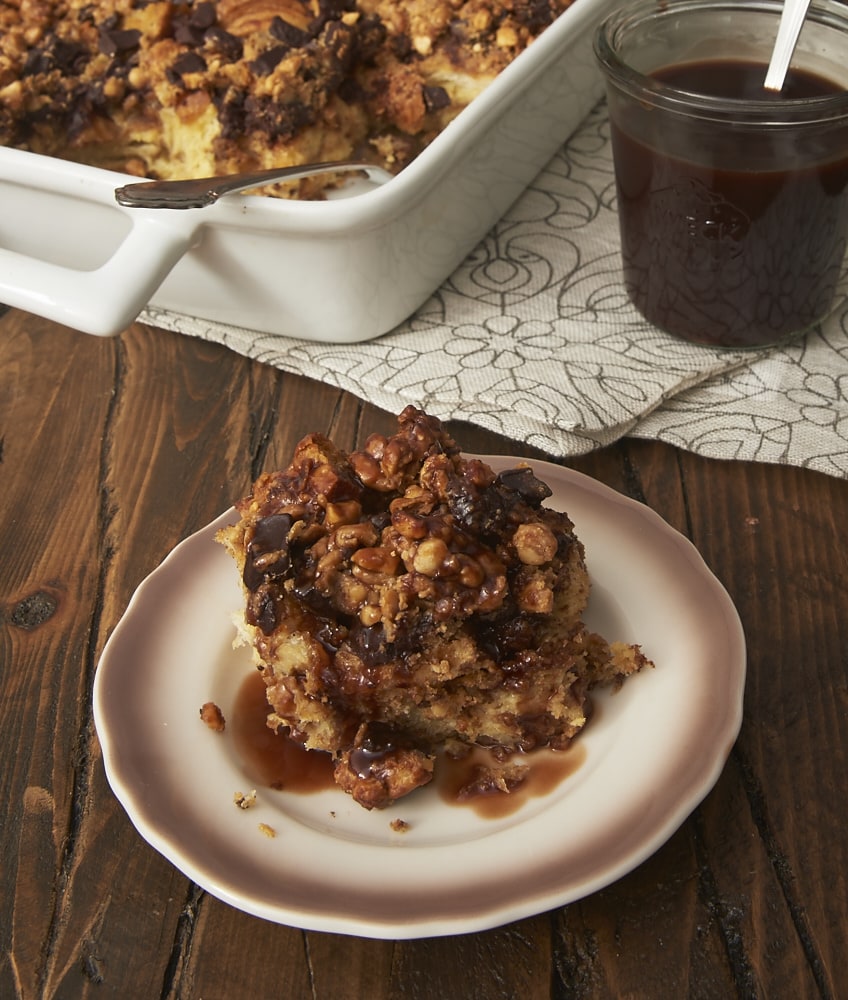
[{"x": 343, "y": 270}]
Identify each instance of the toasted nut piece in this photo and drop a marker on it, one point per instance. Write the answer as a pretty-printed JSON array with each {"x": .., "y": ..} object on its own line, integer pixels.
[
  {"x": 353, "y": 593},
  {"x": 366, "y": 467},
  {"x": 370, "y": 615},
  {"x": 471, "y": 573},
  {"x": 328, "y": 564},
  {"x": 344, "y": 512},
  {"x": 212, "y": 715},
  {"x": 535, "y": 544},
  {"x": 377, "y": 559},
  {"x": 481, "y": 20},
  {"x": 536, "y": 596},
  {"x": 506, "y": 37},
  {"x": 409, "y": 524},
  {"x": 430, "y": 557},
  {"x": 354, "y": 536}
]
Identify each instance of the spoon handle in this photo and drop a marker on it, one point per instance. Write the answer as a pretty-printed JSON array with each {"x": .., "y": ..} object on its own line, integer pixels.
[
  {"x": 202, "y": 191},
  {"x": 791, "y": 22}
]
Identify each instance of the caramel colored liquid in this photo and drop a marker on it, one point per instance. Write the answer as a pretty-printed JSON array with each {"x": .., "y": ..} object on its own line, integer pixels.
[
  {"x": 735, "y": 257},
  {"x": 274, "y": 760},
  {"x": 545, "y": 770}
]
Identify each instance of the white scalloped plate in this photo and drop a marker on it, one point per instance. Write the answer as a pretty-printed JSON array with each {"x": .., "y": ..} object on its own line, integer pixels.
[{"x": 653, "y": 752}]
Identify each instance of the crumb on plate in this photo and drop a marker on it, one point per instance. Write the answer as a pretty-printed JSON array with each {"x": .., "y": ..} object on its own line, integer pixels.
[{"x": 213, "y": 717}]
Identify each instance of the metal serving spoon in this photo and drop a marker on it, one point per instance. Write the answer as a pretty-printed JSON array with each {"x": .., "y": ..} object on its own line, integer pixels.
[
  {"x": 202, "y": 191},
  {"x": 791, "y": 20}
]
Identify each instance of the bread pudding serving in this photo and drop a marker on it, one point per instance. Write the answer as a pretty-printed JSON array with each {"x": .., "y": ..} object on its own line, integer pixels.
[
  {"x": 167, "y": 90},
  {"x": 405, "y": 601}
]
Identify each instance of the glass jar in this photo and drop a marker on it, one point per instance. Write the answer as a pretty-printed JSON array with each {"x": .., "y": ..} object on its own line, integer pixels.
[{"x": 732, "y": 200}]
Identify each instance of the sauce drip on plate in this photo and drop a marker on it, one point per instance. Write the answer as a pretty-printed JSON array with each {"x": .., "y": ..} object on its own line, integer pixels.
[{"x": 277, "y": 761}]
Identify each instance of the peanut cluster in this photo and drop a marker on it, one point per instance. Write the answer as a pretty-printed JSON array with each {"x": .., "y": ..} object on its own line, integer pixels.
[{"x": 403, "y": 533}]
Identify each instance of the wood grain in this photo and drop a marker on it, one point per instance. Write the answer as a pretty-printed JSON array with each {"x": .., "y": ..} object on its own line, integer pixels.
[{"x": 114, "y": 450}]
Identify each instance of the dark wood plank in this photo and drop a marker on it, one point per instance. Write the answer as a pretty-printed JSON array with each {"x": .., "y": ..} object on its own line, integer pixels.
[
  {"x": 54, "y": 408},
  {"x": 789, "y": 580},
  {"x": 501, "y": 964}
]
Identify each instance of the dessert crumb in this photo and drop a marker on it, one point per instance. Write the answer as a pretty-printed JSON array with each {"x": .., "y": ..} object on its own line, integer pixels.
[
  {"x": 245, "y": 801},
  {"x": 400, "y": 825},
  {"x": 268, "y": 831},
  {"x": 213, "y": 717}
]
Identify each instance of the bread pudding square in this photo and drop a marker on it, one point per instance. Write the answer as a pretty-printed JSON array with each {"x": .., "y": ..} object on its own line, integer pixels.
[{"x": 404, "y": 600}]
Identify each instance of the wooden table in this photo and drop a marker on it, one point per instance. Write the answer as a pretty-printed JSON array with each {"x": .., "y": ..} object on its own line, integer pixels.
[{"x": 115, "y": 450}]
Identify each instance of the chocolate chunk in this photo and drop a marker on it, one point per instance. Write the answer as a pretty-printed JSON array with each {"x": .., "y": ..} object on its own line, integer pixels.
[
  {"x": 288, "y": 33},
  {"x": 230, "y": 46},
  {"x": 268, "y": 61},
  {"x": 329, "y": 10},
  {"x": 267, "y": 553},
  {"x": 262, "y": 610},
  {"x": 112, "y": 42},
  {"x": 526, "y": 485},
  {"x": 69, "y": 58},
  {"x": 401, "y": 46},
  {"x": 202, "y": 15},
  {"x": 371, "y": 35},
  {"x": 188, "y": 62},
  {"x": 435, "y": 98},
  {"x": 339, "y": 39},
  {"x": 188, "y": 34}
]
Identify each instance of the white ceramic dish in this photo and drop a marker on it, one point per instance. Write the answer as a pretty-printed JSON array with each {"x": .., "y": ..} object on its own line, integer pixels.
[
  {"x": 340, "y": 271},
  {"x": 652, "y": 753}
]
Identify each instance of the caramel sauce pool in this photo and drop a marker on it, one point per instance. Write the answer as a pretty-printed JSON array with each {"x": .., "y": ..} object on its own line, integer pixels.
[
  {"x": 276, "y": 761},
  {"x": 272, "y": 759}
]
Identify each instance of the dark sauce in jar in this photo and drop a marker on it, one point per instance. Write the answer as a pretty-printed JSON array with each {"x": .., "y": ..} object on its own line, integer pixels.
[{"x": 720, "y": 252}]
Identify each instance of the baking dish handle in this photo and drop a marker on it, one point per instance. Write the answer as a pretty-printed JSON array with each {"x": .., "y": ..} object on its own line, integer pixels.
[{"x": 105, "y": 300}]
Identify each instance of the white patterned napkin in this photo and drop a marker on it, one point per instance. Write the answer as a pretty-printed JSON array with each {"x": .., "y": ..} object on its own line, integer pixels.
[{"x": 534, "y": 337}]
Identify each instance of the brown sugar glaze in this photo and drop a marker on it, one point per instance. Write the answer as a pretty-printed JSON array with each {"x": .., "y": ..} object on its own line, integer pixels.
[
  {"x": 276, "y": 761},
  {"x": 736, "y": 257},
  {"x": 272, "y": 759}
]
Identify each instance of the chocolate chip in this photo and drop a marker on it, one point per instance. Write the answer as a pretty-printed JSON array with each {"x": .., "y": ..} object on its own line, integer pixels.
[
  {"x": 188, "y": 62},
  {"x": 112, "y": 42},
  {"x": 267, "y": 62},
  {"x": 267, "y": 552},
  {"x": 262, "y": 610},
  {"x": 371, "y": 35},
  {"x": 188, "y": 34},
  {"x": 435, "y": 98},
  {"x": 280, "y": 121},
  {"x": 526, "y": 485},
  {"x": 230, "y": 46},
  {"x": 202, "y": 15},
  {"x": 69, "y": 58},
  {"x": 290, "y": 34},
  {"x": 401, "y": 46}
]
